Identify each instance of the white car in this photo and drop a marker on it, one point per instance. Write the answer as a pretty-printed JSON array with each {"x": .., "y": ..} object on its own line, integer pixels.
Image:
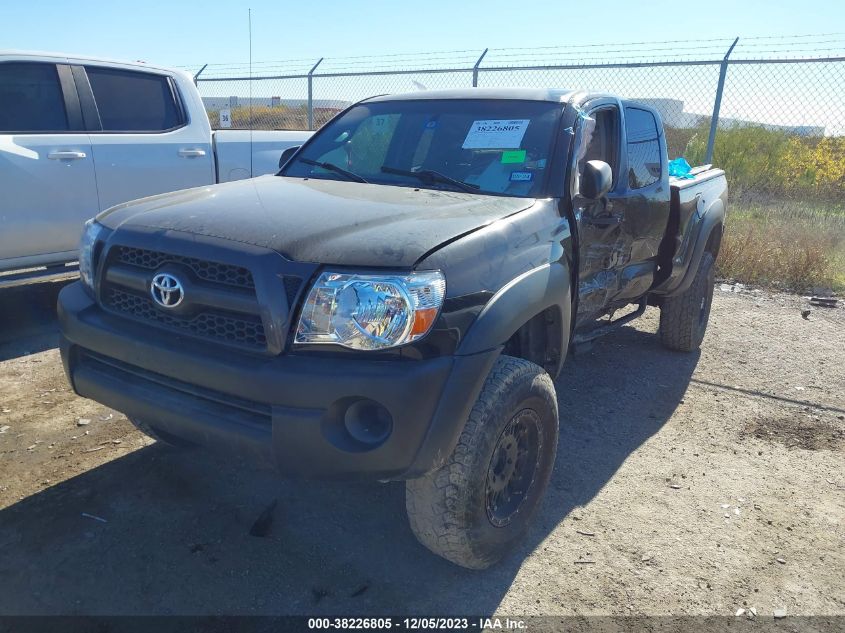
[{"x": 79, "y": 135}]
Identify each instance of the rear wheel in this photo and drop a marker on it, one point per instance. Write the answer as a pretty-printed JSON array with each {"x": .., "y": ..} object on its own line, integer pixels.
[
  {"x": 683, "y": 318},
  {"x": 476, "y": 507}
]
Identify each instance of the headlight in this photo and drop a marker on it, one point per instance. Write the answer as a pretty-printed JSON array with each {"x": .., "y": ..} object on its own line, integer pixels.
[
  {"x": 371, "y": 311},
  {"x": 86, "y": 252}
]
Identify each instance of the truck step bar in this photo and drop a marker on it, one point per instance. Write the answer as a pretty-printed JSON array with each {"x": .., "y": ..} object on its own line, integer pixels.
[
  {"x": 60, "y": 272},
  {"x": 583, "y": 342}
]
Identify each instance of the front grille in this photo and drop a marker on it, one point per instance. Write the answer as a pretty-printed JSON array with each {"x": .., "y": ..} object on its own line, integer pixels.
[
  {"x": 209, "y": 271},
  {"x": 241, "y": 329},
  {"x": 226, "y": 311}
]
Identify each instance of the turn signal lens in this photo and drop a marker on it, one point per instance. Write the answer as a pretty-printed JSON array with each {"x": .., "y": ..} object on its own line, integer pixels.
[{"x": 423, "y": 320}]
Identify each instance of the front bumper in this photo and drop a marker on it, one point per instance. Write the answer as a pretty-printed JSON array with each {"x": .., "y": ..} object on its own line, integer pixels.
[{"x": 287, "y": 408}]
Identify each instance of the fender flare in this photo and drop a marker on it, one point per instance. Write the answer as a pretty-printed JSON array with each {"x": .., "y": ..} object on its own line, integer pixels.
[
  {"x": 517, "y": 302},
  {"x": 712, "y": 217}
]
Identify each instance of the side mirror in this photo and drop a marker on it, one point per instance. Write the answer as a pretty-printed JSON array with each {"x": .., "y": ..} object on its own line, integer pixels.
[
  {"x": 596, "y": 180},
  {"x": 286, "y": 155}
]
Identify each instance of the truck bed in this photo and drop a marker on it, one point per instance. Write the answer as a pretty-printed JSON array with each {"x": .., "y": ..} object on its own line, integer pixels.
[
  {"x": 689, "y": 195},
  {"x": 690, "y": 198},
  {"x": 233, "y": 147},
  {"x": 699, "y": 174}
]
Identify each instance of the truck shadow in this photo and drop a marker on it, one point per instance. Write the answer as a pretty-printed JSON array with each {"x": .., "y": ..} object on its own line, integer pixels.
[
  {"x": 28, "y": 321},
  {"x": 176, "y": 537}
]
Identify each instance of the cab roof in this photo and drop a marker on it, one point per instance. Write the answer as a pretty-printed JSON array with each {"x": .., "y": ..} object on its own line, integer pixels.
[
  {"x": 520, "y": 94},
  {"x": 70, "y": 58}
]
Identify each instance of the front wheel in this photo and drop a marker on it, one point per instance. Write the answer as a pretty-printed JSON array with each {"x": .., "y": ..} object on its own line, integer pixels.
[
  {"x": 476, "y": 507},
  {"x": 683, "y": 318}
]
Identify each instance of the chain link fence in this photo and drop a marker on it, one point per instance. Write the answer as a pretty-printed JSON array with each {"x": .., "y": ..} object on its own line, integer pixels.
[{"x": 770, "y": 111}]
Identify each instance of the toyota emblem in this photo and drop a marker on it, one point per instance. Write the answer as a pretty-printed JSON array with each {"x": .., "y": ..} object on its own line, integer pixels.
[{"x": 167, "y": 290}]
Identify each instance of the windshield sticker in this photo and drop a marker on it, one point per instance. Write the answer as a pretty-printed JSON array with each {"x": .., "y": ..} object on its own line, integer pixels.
[
  {"x": 381, "y": 124},
  {"x": 496, "y": 134},
  {"x": 521, "y": 176},
  {"x": 513, "y": 156},
  {"x": 430, "y": 125}
]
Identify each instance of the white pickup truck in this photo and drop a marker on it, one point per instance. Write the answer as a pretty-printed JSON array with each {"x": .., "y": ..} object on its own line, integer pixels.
[{"x": 79, "y": 135}]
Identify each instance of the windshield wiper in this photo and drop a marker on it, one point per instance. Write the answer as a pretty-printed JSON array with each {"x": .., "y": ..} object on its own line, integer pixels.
[
  {"x": 430, "y": 176},
  {"x": 335, "y": 168}
]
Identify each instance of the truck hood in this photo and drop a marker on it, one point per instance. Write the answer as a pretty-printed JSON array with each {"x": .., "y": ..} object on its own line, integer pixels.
[{"x": 320, "y": 221}]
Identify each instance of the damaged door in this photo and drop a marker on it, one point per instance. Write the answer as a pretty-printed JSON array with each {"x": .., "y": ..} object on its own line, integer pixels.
[
  {"x": 602, "y": 247},
  {"x": 620, "y": 234}
]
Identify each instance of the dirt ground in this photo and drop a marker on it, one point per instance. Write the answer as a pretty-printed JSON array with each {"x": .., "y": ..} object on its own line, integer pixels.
[{"x": 685, "y": 484}]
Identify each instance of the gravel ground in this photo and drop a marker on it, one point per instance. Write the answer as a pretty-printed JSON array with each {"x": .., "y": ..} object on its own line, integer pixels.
[{"x": 685, "y": 484}]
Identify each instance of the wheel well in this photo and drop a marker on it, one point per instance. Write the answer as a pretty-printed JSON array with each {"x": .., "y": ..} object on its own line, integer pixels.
[
  {"x": 714, "y": 240},
  {"x": 539, "y": 340}
]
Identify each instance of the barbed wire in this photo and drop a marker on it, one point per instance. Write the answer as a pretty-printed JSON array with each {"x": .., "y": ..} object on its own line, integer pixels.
[{"x": 806, "y": 46}]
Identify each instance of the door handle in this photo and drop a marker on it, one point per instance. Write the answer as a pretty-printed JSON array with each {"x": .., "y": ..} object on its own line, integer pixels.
[
  {"x": 66, "y": 155},
  {"x": 191, "y": 152}
]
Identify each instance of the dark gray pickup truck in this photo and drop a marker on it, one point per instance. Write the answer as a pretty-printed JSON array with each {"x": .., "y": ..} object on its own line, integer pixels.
[{"x": 396, "y": 302}]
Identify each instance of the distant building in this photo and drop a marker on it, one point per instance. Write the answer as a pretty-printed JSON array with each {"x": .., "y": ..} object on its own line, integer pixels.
[
  {"x": 672, "y": 112},
  {"x": 798, "y": 130},
  {"x": 673, "y": 115}
]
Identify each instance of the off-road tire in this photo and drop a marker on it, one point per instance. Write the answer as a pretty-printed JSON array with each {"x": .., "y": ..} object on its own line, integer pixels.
[
  {"x": 163, "y": 438},
  {"x": 449, "y": 508},
  {"x": 683, "y": 318}
]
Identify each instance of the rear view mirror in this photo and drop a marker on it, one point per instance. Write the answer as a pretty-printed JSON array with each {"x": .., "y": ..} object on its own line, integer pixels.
[
  {"x": 596, "y": 179},
  {"x": 286, "y": 155}
]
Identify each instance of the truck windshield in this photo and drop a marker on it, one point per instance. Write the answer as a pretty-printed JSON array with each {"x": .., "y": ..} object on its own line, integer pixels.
[{"x": 498, "y": 147}]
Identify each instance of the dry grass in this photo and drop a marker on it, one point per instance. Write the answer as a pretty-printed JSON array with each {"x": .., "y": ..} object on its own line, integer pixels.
[
  {"x": 271, "y": 118},
  {"x": 788, "y": 246},
  {"x": 786, "y": 223}
]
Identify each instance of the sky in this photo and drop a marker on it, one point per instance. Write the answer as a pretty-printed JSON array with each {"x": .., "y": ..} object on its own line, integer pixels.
[
  {"x": 289, "y": 37},
  {"x": 190, "y": 34}
]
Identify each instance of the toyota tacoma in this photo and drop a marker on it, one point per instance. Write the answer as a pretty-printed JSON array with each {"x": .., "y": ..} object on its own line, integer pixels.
[{"x": 397, "y": 301}]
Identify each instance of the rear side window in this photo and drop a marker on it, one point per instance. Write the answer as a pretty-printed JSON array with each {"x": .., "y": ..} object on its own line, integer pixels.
[
  {"x": 31, "y": 99},
  {"x": 134, "y": 102},
  {"x": 644, "y": 163}
]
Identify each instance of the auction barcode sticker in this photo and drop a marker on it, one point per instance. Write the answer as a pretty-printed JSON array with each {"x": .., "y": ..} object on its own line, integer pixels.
[{"x": 496, "y": 134}]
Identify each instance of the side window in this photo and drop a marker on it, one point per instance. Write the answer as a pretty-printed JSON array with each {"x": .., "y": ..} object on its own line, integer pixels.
[
  {"x": 31, "y": 98},
  {"x": 130, "y": 101},
  {"x": 600, "y": 139},
  {"x": 644, "y": 163}
]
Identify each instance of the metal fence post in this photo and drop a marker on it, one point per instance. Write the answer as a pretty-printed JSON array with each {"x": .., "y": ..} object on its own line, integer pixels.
[
  {"x": 475, "y": 69},
  {"x": 199, "y": 72},
  {"x": 311, "y": 94},
  {"x": 714, "y": 120}
]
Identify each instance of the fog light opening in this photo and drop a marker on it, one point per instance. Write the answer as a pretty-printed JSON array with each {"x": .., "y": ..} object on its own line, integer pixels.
[{"x": 368, "y": 422}]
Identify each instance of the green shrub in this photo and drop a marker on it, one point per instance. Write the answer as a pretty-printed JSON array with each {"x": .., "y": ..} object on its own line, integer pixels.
[{"x": 761, "y": 163}]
